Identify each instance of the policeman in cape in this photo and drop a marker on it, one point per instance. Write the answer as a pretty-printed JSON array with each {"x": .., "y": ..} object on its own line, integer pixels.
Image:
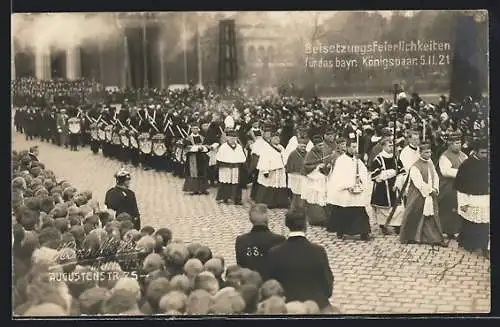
[{"x": 121, "y": 199}]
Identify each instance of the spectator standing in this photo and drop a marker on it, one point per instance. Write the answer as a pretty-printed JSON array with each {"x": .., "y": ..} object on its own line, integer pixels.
[
  {"x": 301, "y": 267},
  {"x": 252, "y": 248}
]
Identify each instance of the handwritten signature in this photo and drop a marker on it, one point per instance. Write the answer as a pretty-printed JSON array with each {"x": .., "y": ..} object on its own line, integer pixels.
[
  {"x": 124, "y": 253},
  {"x": 416, "y": 256}
]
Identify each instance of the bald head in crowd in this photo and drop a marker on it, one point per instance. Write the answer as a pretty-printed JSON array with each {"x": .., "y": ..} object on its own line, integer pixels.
[{"x": 258, "y": 215}]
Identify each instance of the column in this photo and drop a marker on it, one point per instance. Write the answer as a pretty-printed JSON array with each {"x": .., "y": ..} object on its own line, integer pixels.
[
  {"x": 12, "y": 60},
  {"x": 73, "y": 64},
  {"x": 161, "y": 47},
  {"x": 42, "y": 64}
]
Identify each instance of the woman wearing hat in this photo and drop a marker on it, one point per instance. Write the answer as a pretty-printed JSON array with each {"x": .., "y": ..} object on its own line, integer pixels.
[{"x": 121, "y": 199}]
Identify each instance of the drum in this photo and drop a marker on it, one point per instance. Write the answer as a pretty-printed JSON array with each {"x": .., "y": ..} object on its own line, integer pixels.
[
  {"x": 159, "y": 148},
  {"x": 124, "y": 138},
  {"x": 145, "y": 144},
  {"x": 116, "y": 138},
  {"x": 101, "y": 133},
  {"x": 94, "y": 132},
  {"x": 133, "y": 141},
  {"x": 74, "y": 125},
  {"x": 109, "y": 133}
]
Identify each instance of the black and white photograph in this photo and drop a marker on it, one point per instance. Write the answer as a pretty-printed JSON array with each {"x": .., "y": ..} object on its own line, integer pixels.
[{"x": 236, "y": 163}]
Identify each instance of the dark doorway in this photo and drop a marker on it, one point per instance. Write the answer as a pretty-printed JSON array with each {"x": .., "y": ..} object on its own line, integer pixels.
[
  {"x": 58, "y": 63},
  {"x": 89, "y": 61},
  {"x": 25, "y": 64}
]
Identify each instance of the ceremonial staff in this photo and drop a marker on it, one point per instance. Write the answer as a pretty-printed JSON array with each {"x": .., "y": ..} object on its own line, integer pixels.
[{"x": 401, "y": 193}]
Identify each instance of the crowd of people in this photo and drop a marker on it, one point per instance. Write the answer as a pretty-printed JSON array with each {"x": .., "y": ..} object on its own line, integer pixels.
[
  {"x": 71, "y": 256},
  {"x": 421, "y": 166}
]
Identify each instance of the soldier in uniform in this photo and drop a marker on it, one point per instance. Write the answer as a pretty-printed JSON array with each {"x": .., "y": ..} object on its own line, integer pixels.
[
  {"x": 52, "y": 125},
  {"x": 159, "y": 123},
  {"x": 18, "y": 119},
  {"x": 85, "y": 133},
  {"x": 45, "y": 123},
  {"x": 38, "y": 123},
  {"x": 144, "y": 139},
  {"x": 62, "y": 128},
  {"x": 29, "y": 124},
  {"x": 105, "y": 143},
  {"x": 133, "y": 125},
  {"x": 122, "y": 148},
  {"x": 74, "y": 128}
]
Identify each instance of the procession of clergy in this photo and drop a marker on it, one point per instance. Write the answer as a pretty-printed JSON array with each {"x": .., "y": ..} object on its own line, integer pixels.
[
  {"x": 321, "y": 174},
  {"x": 331, "y": 184}
]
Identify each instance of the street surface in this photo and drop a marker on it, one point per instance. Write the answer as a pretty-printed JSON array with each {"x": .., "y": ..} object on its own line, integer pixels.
[{"x": 381, "y": 276}]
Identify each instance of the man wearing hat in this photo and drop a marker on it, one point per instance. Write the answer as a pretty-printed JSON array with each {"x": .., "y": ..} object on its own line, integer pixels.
[
  {"x": 346, "y": 192},
  {"x": 230, "y": 160},
  {"x": 212, "y": 133},
  {"x": 317, "y": 165},
  {"x": 385, "y": 171},
  {"x": 74, "y": 128},
  {"x": 122, "y": 199},
  {"x": 62, "y": 127},
  {"x": 473, "y": 195},
  {"x": 421, "y": 222},
  {"x": 294, "y": 168},
  {"x": 196, "y": 181},
  {"x": 256, "y": 148},
  {"x": 448, "y": 165},
  {"x": 271, "y": 186}
]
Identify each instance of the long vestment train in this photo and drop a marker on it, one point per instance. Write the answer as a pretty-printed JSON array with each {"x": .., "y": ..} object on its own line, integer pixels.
[{"x": 421, "y": 217}]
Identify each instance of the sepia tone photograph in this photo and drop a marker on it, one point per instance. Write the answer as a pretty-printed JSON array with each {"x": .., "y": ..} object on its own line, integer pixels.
[{"x": 180, "y": 164}]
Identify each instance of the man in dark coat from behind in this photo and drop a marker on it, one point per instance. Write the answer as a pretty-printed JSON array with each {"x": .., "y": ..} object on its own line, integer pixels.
[
  {"x": 300, "y": 266},
  {"x": 252, "y": 248}
]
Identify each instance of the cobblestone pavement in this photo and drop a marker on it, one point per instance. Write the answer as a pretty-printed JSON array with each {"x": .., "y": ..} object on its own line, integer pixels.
[{"x": 381, "y": 276}]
